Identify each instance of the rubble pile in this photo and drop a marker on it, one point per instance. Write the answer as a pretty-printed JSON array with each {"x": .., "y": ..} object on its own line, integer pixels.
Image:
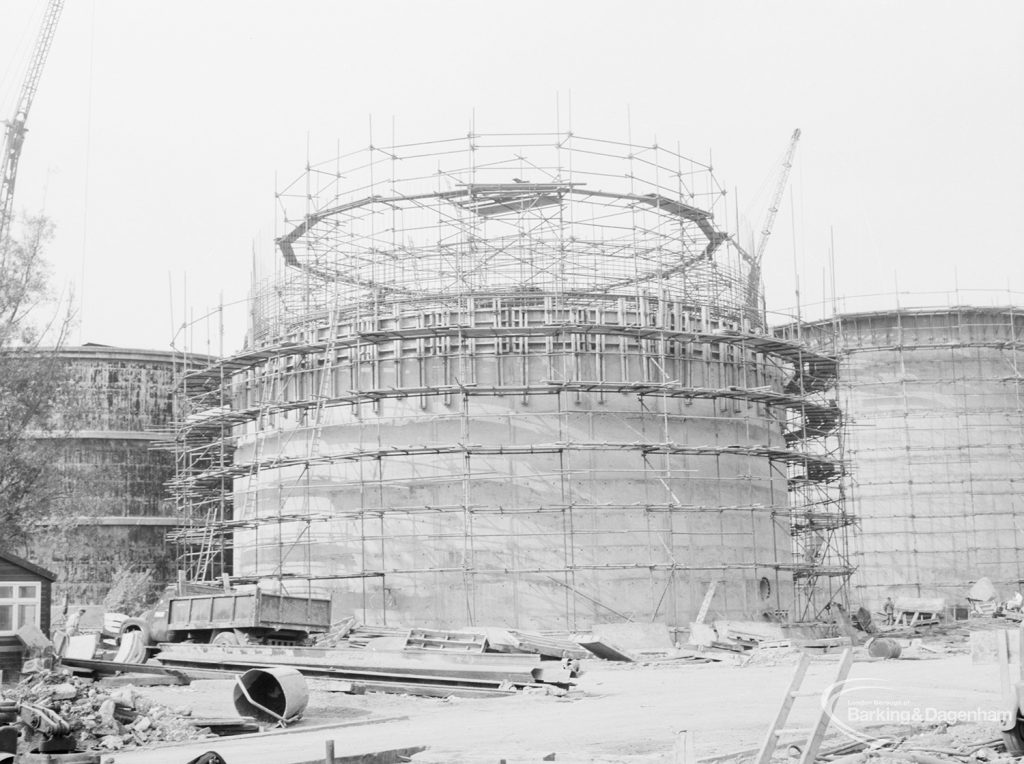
[
  {"x": 57, "y": 703},
  {"x": 963, "y": 743}
]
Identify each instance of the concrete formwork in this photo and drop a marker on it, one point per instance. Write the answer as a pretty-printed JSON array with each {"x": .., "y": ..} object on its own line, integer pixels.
[
  {"x": 518, "y": 380},
  {"x": 935, "y": 442},
  {"x": 485, "y": 491}
]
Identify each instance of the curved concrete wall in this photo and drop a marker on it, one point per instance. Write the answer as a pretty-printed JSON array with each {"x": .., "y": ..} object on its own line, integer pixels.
[
  {"x": 517, "y": 460},
  {"x": 936, "y": 442},
  {"x": 110, "y": 479}
]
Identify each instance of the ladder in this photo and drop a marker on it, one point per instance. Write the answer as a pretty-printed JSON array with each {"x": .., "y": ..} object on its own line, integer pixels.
[{"x": 816, "y": 734}]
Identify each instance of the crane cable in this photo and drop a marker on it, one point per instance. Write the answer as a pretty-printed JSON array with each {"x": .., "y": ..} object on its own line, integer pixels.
[{"x": 88, "y": 162}]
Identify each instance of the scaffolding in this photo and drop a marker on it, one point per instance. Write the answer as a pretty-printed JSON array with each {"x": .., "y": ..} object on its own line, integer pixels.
[
  {"x": 821, "y": 521},
  {"x": 936, "y": 440},
  {"x": 515, "y": 379}
]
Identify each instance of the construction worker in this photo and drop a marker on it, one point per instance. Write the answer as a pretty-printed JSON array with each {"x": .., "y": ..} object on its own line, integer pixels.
[
  {"x": 72, "y": 624},
  {"x": 890, "y": 611},
  {"x": 1016, "y": 602}
]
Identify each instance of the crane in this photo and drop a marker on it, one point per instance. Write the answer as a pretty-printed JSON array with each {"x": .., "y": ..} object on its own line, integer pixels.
[
  {"x": 754, "y": 275},
  {"x": 15, "y": 133}
]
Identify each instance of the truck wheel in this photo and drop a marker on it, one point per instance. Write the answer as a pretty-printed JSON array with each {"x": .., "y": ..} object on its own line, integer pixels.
[
  {"x": 229, "y": 637},
  {"x": 135, "y": 624}
]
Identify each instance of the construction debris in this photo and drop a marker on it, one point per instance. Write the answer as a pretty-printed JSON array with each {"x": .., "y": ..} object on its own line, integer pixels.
[
  {"x": 456, "y": 756},
  {"x": 702, "y": 635},
  {"x": 458, "y": 641},
  {"x": 360, "y": 636},
  {"x": 450, "y": 665},
  {"x": 110, "y": 669},
  {"x": 33, "y": 639},
  {"x": 81, "y": 646},
  {"x": 982, "y": 597},
  {"x": 347, "y": 634},
  {"x": 57, "y": 704},
  {"x": 339, "y": 630},
  {"x": 918, "y": 611},
  {"x": 544, "y": 645},
  {"x": 637, "y": 640},
  {"x": 132, "y": 648},
  {"x": 606, "y": 651},
  {"x": 415, "y": 671}
]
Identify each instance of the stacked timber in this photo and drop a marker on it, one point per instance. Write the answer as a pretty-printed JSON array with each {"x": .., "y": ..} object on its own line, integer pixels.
[
  {"x": 362, "y": 635},
  {"x": 547, "y": 646}
]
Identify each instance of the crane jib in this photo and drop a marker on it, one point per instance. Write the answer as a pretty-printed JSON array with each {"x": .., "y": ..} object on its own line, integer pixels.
[{"x": 14, "y": 136}]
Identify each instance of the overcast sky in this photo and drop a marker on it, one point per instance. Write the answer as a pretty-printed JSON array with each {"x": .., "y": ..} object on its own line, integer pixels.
[{"x": 159, "y": 127}]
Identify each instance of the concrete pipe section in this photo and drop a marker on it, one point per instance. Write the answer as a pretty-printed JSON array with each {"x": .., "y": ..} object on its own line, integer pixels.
[{"x": 275, "y": 695}]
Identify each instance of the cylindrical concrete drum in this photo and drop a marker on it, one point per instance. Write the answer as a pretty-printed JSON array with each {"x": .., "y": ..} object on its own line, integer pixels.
[
  {"x": 883, "y": 647},
  {"x": 272, "y": 694}
]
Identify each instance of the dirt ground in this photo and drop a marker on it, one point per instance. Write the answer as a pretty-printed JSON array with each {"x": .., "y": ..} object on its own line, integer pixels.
[{"x": 617, "y": 710}]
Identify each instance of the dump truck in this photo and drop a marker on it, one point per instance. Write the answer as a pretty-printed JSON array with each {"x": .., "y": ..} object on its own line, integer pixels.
[{"x": 220, "y": 616}]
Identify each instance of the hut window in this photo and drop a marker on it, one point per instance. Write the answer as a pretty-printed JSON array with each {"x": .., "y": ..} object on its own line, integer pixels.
[{"x": 19, "y": 605}]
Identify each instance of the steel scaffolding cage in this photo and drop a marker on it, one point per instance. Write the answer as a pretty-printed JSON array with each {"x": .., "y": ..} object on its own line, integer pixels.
[{"x": 578, "y": 285}]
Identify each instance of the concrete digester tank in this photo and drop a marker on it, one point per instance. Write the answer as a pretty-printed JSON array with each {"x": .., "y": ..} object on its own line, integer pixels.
[
  {"x": 515, "y": 381},
  {"x": 935, "y": 443},
  {"x": 106, "y": 479}
]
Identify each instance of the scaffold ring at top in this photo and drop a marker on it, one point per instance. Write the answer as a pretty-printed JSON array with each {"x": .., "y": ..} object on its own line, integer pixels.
[{"x": 511, "y": 213}]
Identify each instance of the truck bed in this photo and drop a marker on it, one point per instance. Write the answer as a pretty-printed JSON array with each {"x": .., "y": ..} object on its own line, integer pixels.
[{"x": 249, "y": 610}]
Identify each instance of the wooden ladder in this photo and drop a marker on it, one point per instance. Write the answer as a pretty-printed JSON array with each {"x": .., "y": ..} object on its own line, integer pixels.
[{"x": 816, "y": 733}]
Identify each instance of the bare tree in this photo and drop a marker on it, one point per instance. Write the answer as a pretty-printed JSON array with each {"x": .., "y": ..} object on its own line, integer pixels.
[{"x": 34, "y": 325}]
